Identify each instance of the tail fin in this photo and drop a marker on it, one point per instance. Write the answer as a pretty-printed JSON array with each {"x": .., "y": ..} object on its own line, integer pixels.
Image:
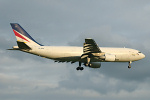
[{"x": 23, "y": 37}]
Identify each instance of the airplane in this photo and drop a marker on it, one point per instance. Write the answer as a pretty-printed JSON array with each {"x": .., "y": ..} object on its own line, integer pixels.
[{"x": 90, "y": 55}]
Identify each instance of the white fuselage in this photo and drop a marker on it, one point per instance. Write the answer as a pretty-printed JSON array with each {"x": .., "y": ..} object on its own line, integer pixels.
[{"x": 73, "y": 54}]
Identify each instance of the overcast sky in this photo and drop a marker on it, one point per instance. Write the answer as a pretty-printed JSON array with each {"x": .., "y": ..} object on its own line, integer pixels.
[{"x": 112, "y": 23}]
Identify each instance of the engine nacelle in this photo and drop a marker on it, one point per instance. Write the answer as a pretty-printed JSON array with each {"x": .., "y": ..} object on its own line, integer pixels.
[
  {"x": 110, "y": 57},
  {"x": 95, "y": 65}
]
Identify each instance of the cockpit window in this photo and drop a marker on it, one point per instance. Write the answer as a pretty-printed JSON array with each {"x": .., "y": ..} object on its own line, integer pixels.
[{"x": 139, "y": 52}]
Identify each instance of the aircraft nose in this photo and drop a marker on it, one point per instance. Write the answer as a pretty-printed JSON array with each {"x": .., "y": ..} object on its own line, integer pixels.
[{"x": 142, "y": 56}]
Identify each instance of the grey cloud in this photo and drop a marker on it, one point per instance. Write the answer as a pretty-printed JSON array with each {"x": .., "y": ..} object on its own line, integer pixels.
[{"x": 103, "y": 36}]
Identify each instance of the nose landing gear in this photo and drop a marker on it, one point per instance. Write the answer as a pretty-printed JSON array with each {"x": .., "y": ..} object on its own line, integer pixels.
[{"x": 129, "y": 64}]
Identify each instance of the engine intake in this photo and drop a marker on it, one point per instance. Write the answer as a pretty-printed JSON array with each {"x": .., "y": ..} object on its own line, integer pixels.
[{"x": 95, "y": 65}]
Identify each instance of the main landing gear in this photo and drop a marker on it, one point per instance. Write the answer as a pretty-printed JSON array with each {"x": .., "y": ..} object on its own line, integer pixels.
[
  {"x": 79, "y": 68},
  {"x": 129, "y": 64},
  {"x": 86, "y": 64}
]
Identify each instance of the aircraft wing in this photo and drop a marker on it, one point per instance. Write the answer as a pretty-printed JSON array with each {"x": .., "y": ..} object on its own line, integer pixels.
[{"x": 90, "y": 47}]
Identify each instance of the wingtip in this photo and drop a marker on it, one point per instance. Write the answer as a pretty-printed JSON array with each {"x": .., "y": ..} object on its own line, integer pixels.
[
  {"x": 13, "y": 24},
  {"x": 88, "y": 38}
]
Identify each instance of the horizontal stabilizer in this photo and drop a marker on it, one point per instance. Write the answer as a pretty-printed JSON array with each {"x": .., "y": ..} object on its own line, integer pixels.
[
  {"x": 13, "y": 49},
  {"x": 22, "y": 45}
]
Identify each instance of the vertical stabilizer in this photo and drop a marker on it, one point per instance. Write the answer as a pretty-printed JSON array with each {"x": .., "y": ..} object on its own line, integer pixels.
[{"x": 23, "y": 36}]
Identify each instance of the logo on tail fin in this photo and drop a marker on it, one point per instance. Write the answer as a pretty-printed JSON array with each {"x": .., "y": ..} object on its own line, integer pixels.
[
  {"x": 22, "y": 35},
  {"x": 18, "y": 35}
]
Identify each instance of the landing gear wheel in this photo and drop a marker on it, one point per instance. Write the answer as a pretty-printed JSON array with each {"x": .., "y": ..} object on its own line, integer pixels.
[
  {"x": 86, "y": 64},
  {"x": 129, "y": 67},
  {"x": 90, "y": 65},
  {"x": 79, "y": 68},
  {"x": 129, "y": 64}
]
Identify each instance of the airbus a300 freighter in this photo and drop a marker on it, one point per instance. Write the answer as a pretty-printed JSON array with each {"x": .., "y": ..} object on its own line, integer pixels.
[{"x": 90, "y": 55}]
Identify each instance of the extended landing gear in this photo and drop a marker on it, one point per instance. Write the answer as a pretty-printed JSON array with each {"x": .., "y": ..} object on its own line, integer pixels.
[
  {"x": 88, "y": 62},
  {"x": 129, "y": 64},
  {"x": 79, "y": 68}
]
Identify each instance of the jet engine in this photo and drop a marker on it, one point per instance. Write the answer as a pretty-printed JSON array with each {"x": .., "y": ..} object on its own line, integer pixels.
[
  {"x": 110, "y": 57},
  {"x": 95, "y": 65}
]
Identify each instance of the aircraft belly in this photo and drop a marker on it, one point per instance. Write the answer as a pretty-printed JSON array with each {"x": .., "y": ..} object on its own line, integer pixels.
[{"x": 63, "y": 55}]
